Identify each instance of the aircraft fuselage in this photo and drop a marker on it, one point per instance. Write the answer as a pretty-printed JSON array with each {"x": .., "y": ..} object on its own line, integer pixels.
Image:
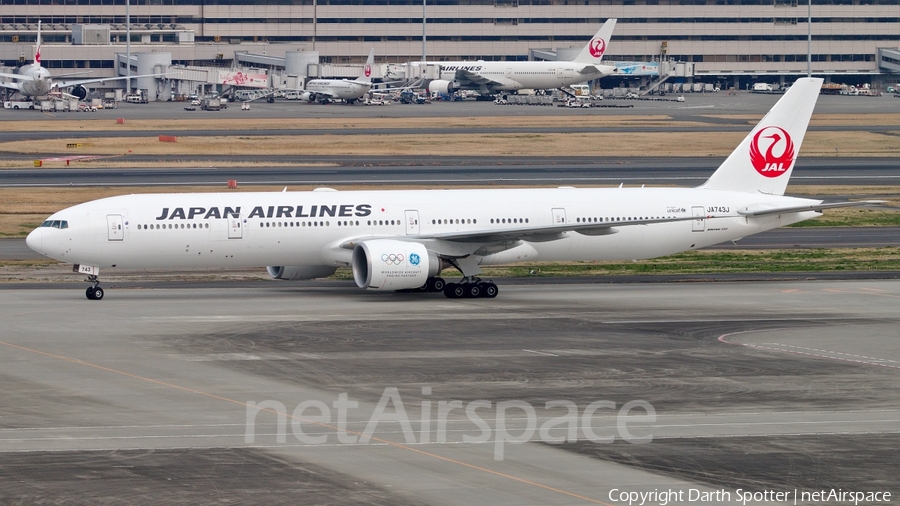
[{"x": 309, "y": 228}]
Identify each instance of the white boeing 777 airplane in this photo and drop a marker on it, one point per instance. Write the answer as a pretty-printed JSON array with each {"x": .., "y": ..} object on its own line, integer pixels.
[
  {"x": 403, "y": 239},
  {"x": 325, "y": 90},
  {"x": 35, "y": 81},
  {"x": 490, "y": 77}
]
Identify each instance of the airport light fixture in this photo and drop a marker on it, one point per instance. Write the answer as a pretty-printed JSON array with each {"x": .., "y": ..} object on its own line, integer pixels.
[
  {"x": 128, "y": 47},
  {"x": 809, "y": 39}
]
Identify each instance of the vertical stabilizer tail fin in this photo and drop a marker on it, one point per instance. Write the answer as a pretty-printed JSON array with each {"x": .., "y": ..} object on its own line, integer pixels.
[
  {"x": 366, "y": 77},
  {"x": 595, "y": 49},
  {"x": 763, "y": 162},
  {"x": 37, "y": 46}
]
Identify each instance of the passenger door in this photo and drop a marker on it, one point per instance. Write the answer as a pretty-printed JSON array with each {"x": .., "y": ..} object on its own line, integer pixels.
[
  {"x": 559, "y": 216},
  {"x": 699, "y": 225},
  {"x": 235, "y": 226},
  {"x": 412, "y": 222},
  {"x": 114, "y": 227}
]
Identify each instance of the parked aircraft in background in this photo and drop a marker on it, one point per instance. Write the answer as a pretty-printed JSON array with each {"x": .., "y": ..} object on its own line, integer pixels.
[
  {"x": 324, "y": 90},
  {"x": 35, "y": 81},
  {"x": 403, "y": 239},
  {"x": 491, "y": 77}
]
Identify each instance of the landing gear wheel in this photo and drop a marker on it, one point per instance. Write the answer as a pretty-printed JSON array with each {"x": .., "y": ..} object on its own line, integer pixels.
[
  {"x": 473, "y": 290},
  {"x": 89, "y": 293},
  {"x": 454, "y": 291},
  {"x": 489, "y": 290},
  {"x": 94, "y": 293},
  {"x": 435, "y": 285}
]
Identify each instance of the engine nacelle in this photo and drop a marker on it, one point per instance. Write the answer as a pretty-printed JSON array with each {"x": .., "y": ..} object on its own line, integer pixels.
[
  {"x": 441, "y": 86},
  {"x": 295, "y": 272},
  {"x": 387, "y": 264},
  {"x": 311, "y": 97},
  {"x": 79, "y": 92}
]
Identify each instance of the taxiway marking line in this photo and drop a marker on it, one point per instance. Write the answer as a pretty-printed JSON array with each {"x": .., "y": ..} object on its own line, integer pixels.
[
  {"x": 540, "y": 353},
  {"x": 795, "y": 351}
]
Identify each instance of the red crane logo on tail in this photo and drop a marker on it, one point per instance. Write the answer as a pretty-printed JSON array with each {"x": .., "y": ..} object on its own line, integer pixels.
[
  {"x": 597, "y": 47},
  {"x": 772, "y": 151},
  {"x": 368, "y": 70}
]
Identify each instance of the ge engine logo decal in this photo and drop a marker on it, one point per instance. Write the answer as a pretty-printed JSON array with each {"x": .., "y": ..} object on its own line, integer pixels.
[
  {"x": 772, "y": 151},
  {"x": 392, "y": 259},
  {"x": 414, "y": 259},
  {"x": 597, "y": 47}
]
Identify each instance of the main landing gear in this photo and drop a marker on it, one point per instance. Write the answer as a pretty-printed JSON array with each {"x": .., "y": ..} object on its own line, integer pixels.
[
  {"x": 471, "y": 288},
  {"x": 94, "y": 292}
]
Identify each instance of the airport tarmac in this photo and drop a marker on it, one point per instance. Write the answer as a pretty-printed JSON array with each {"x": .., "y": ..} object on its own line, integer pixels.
[
  {"x": 695, "y": 105},
  {"x": 323, "y": 394}
]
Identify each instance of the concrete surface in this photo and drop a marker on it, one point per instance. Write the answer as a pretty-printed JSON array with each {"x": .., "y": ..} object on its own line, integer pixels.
[{"x": 173, "y": 395}]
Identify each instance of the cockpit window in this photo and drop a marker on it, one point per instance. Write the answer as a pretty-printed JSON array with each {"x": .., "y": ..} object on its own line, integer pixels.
[{"x": 55, "y": 224}]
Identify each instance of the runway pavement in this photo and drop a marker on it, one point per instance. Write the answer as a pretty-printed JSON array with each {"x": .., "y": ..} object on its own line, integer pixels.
[{"x": 320, "y": 393}]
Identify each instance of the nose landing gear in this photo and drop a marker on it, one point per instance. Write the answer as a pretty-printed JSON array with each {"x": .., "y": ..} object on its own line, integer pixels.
[{"x": 94, "y": 292}]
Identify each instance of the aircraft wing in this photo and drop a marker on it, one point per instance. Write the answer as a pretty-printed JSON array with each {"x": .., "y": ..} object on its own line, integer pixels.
[
  {"x": 531, "y": 234},
  {"x": 467, "y": 77},
  {"x": 18, "y": 77},
  {"x": 550, "y": 233},
  {"x": 323, "y": 92},
  {"x": 61, "y": 83},
  {"x": 767, "y": 210},
  {"x": 12, "y": 86}
]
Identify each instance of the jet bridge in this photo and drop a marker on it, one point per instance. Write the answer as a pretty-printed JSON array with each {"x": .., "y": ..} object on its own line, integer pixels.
[{"x": 889, "y": 59}]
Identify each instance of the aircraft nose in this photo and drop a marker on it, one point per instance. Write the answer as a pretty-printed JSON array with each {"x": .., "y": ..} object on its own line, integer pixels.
[{"x": 35, "y": 240}]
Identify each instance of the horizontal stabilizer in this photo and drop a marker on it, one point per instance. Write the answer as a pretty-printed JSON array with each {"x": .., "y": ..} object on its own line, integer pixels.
[{"x": 766, "y": 210}]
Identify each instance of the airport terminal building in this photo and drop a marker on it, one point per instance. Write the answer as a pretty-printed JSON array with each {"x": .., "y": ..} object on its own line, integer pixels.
[{"x": 726, "y": 41}]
